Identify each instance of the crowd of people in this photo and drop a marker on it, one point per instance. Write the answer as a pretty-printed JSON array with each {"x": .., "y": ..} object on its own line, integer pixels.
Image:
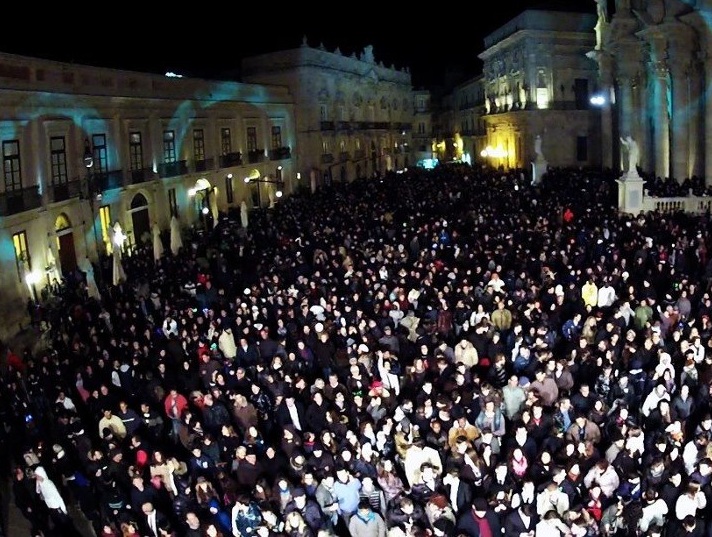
[{"x": 431, "y": 353}]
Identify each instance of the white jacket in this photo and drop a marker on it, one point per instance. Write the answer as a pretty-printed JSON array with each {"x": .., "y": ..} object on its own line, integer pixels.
[
  {"x": 226, "y": 344},
  {"x": 48, "y": 491}
]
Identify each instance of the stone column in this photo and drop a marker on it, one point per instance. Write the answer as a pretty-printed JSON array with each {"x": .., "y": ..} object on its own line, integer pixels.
[
  {"x": 661, "y": 119},
  {"x": 680, "y": 118},
  {"x": 697, "y": 89},
  {"x": 708, "y": 119}
]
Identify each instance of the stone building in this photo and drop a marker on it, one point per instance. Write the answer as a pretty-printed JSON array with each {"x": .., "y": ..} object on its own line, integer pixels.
[
  {"x": 538, "y": 81},
  {"x": 353, "y": 114},
  {"x": 655, "y": 61},
  {"x": 84, "y": 148}
]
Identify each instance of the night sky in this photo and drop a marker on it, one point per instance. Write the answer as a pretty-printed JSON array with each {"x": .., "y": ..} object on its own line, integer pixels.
[{"x": 210, "y": 42}]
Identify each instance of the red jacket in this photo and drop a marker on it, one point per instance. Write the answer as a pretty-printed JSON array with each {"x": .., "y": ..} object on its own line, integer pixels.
[{"x": 181, "y": 404}]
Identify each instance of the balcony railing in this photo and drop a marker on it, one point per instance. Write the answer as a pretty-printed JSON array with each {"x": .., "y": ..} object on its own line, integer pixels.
[
  {"x": 343, "y": 156},
  {"x": 327, "y": 158},
  {"x": 204, "y": 165},
  {"x": 327, "y": 125},
  {"x": 280, "y": 153},
  {"x": 141, "y": 176},
  {"x": 403, "y": 126},
  {"x": 359, "y": 154},
  {"x": 258, "y": 155},
  {"x": 19, "y": 200},
  {"x": 381, "y": 125},
  {"x": 172, "y": 169},
  {"x": 65, "y": 191},
  {"x": 229, "y": 160},
  {"x": 108, "y": 180}
]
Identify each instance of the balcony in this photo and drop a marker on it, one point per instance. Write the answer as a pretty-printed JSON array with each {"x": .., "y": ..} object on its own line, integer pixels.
[
  {"x": 343, "y": 156},
  {"x": 141, "y": 176},
  {"x": 403, "y": 126},
  {"x": 229, "y": 160},
  {"x": 327, "y": 158},
  {"x": 255, "y": 156},
  {"x": 205, "y": 165},
  {"x": 280, "y": 153},
  {"x": 65, "y": 191},
  {"x": 108, "y": 180},
  {"x": 172, "y": 169},
  {"x": 343, "y": 126},
  {"x": 327, "y": 125},
  {"x": 381, "y": 125},
  {"x": 19, "y": 200},
  {"x": 359, "y": 154}
]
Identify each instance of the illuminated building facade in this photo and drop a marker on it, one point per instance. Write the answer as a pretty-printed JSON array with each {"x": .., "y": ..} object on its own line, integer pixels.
[
  {"x": 655, "y": 65},
  {"x": 84, "y": 148},
  {"x": 537, "y": 81},
  {"x": 353, "y": 114}
]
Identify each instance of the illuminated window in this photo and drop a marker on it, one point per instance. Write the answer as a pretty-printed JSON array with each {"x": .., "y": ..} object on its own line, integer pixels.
[
  {"x": 542, "y": 98},
  {"x": 169, "y": 146},
  {"x": 172, "y": 202},
  {"x": 421, "y": 128},
  {"x": 198, "y": 145},
  {"x": 11, "y": 165},
  {"x": 105, "y": 219},
  {"x": 228, "y": 188},
  {"x": 342, "y": 113},
  {"x": 225, "y": 141},
  {"x": 325, "y": 147},
  {"x": 357, "y": 144},
  {"x": 135, "y": 151},
  {"x": 323, "y": 112},
  {"x": 22, "y": 256},
  {"x": 58, "y": 154},
  {"x": 342, "y": 145},
  {"x": 252, "y": 138},
  {"x": 101, "y": 163},
  {"x": 276, "y": 137}
]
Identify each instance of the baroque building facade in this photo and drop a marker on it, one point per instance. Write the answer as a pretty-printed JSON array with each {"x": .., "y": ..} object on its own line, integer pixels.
[
  {"x": 353, "y": 114},
  {"x": 537, "y": 81},
  {"x": 84, "y": 148},
  {"x": 655, "y": 63}
]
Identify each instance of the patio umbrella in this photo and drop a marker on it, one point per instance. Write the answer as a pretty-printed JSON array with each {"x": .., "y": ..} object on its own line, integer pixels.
[
  {"x": 176, "y": 240},
  {"x": 92, "y": 288},
  {"x": 244, "y": 214},
  {"x": 53, "y": 273},
  {"x": 118, "y": 274},
  {"x": 157, "y": 244}
]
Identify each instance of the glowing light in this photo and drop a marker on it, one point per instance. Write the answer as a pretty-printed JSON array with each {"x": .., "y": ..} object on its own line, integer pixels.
[
  {"x": 598, "y": 100},
  {"x": 494, "y": 152},
  {"x": 299, "y": 176},
  {"x": 205, "y": 210},
  {"x": 119, "y": 238},
  {"x": 428, "y": 163},
  {"x": 171, "y": 74},
  {"x": 279, "y": 193},
  {"x": 247, "y": 180},
  {"x": 191, "y": 192},
  {"x": 542, "y": 98},
  {"x": 279, "y": 168},
  {"x": 229, "y": 176},
  {"x": 32, "y": 277}
]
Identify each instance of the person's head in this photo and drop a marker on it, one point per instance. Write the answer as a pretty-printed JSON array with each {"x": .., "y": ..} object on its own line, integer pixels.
[
  {"x": 364, "y": 508},
  {"x": 147, "y": 508}
]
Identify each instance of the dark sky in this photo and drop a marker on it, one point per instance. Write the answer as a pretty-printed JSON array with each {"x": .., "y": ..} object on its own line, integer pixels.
[{"x": 211, "y": 41}]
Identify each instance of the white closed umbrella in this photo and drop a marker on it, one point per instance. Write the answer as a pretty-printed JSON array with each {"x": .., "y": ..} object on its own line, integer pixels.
[
  {"x": 118, "y": 274},
  {"x": 176, "y": 240},
  {"x": 244, "y": 214},
  {"x": 157, "y": 244},
  {"x": 53, "y": 273}
]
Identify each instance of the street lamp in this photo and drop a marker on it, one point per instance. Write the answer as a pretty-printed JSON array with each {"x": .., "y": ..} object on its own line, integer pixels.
[
  {"x": 93, "y": 193},
  {"x": 202, "y": 192},
  {"x": 279, "y": 182}
]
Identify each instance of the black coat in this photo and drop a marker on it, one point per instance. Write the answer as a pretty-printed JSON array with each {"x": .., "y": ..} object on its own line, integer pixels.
[{"x": 469, "y": 526}]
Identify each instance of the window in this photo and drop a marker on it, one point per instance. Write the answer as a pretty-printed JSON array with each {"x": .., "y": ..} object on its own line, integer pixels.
[
  {"x": 323, "y": 112},
  {"x": 169, "y": 146},
  {"x": 325, "y": 147},
  {"x": 581, "y": 148},
  {"x": 542, "y": 98},
  {"x": 105, "y": 219},
  {"x": 135, "y": 151},
  {"x": 98, "y": 142},
  {"x": 251, "y": 138},
  {"x": 420, "y": 103},
  {"x": 357, "y": 144},
  {"x": 58, "y": 156},
  {"x": 421, "y": 128},
  {"x": 342, "y": 113},
  {"x": 372, "y": 113},
  {"x": 342, "y": 145},
  {"x": 11, "y": 165},
  {"x": 228, "y": 188},
  {"x": 276, "y": 137},
  {"x": 581, "y": 93},
  {"x": 172, "y": 202},
  {"x": 198, "y": 145},
  {"x": 22, "y": 256},
  {"x": 225, "y": 141}
]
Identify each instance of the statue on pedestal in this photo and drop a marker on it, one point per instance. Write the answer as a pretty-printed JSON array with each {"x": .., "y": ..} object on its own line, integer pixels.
[
  {"x": 540, "y": 165},
  {"x": 602, "y": 23},
  {"x": 633, "y": 157}
]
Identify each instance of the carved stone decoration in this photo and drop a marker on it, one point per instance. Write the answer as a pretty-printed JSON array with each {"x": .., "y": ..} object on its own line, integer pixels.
[
  {"x": 394, "y": 105},
  {"x": 339, "y": 97},
  {"x": 323, "y": 95},
  {"x": 384, "y": 103},
  {"x": 357, "y": 99}
]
